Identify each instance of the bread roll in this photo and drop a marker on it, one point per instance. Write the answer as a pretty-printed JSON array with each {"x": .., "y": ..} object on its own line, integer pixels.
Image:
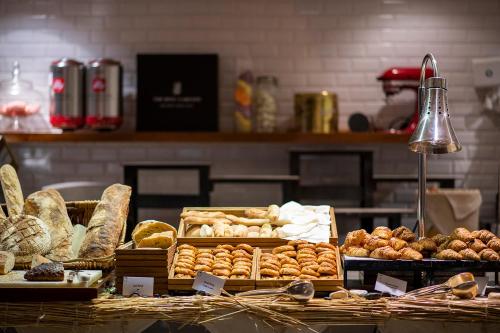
[
  {"x": 382, "y": 232},
  {"x": 206, "y": 231},
  {"x": 148, "y": 227},
  {"x": 12, "y": 191},
  {"x": 24, "y": 235},
  {"x": 160, "y": 240},
  {"x": 193, "y": 231},
  {"x": 106, "y": 223},
  {"x": 49, "y": 206},
  {"x": 7, "y": 262}
]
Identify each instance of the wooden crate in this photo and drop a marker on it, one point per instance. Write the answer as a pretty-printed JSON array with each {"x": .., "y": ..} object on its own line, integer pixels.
[
  {"x": 319, "y": 285},
  {"x": 145, "y": 262},
  {"x": 254, "y": 241},
  {"x": 176, "y": 284}
]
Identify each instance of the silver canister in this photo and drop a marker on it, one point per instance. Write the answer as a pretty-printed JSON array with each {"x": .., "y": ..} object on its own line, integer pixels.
[
  {"x": 104, "y": 94},
  {"x": 67, "y": 94}
]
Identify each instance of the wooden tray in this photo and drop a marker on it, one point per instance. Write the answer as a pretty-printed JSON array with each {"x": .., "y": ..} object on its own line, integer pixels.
[
  {"x": 154, "y": 263},
  {"x": 319, "y": 285},
  {"x": 230, "y": 285},
  {"x": 254, "y": 241}
]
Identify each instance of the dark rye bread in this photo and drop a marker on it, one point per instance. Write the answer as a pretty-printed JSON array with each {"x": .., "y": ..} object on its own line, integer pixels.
[
  {"x": 106, "y": 223},
  {"x": 52, "y": 271}
]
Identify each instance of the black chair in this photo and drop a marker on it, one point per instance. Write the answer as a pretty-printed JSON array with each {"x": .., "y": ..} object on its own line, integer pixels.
[{"x": 137, "y": 200}]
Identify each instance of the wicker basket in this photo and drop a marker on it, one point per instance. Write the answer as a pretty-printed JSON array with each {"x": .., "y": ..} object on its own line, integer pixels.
[{"x": 80, "y": 212}]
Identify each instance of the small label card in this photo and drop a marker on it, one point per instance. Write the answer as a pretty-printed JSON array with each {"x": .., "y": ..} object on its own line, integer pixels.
[
  {"x": 208, "y": 283},
  {"x": 138, "y": 286},
  {"x": 393, "y": 286}
]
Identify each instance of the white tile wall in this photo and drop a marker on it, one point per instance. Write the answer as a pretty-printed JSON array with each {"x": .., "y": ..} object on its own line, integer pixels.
[{"x": 310, "y": 45}]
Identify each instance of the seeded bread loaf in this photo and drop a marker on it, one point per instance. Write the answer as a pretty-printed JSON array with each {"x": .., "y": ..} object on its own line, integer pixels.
[
  {"x": 24, "y": 235},
  {"x": 11, "y": 190},
  {"x": 106, "y": 223},
  {"x": 49, "y": 206}
]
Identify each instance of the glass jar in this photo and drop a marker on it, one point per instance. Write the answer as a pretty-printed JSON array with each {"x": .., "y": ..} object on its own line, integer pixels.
[
  {"x": 18, "y": 101},
  {"x": 266, "y": 106}
]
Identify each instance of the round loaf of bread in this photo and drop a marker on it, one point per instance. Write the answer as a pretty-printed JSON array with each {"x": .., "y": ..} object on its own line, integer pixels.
[
  {"x": 147, "y": 228},
  {"x": 24, "y": 235}
]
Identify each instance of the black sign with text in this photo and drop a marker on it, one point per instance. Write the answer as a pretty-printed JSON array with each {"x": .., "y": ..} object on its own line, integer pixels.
[{"x": 177, "y": 92}]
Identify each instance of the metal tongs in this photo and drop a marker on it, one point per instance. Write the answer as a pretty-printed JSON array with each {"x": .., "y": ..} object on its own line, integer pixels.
[
  {"x": 300, "y": 290},
  {"x": 461, "y": 285}
]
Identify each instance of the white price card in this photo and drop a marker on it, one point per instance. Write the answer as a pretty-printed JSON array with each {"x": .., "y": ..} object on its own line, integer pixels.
[
  {"x": 138, "y": 286},
  {"x": 208, "y": 283},
  {"x": 393, "y": 286}
]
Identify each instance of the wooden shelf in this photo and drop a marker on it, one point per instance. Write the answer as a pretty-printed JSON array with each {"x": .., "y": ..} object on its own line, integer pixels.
[{"x": 213, "y": 137}]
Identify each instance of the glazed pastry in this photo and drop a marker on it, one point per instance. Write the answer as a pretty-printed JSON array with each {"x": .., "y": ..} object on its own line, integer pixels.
[
  {"x": 463, "y": 234},
  {"x": 439, "y": 239},
  {"x": 382, "y": 232},
  {"x": 355, "y": 251},
  {"x": 372, "y": 243},
  {"x": 457, "y": 245},
  {"x": 404, "y": 233},
  {"x": 416, "y": 246},
  {"x": 397, "y": 244},
  {"x": 385, "y": 252},
  {"x": 449, "y": 254},
  {"x": 410, "y": 254},
  {"x": 469, "y": 254},
  {"x": 494, "y": 244},
  {"x": 484, "y": 235},
  {"x": 489, "y": 255},
  {"x": 356, "y": 238},
  {"x": 477, "y": 245}
]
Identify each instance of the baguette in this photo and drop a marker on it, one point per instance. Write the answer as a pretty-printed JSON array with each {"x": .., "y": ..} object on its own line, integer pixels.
[
  {"x": 11, "y": 190},
  {"x": 106, "y": 223}
]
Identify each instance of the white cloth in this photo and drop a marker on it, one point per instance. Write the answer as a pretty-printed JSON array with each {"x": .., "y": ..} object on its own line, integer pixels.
[
  {"x": 452, "y": 208},
  {"x": 310, "y": 223}
]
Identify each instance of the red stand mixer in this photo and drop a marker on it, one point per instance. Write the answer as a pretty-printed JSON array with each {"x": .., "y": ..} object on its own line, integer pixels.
[{"x": 397, "y": 79}]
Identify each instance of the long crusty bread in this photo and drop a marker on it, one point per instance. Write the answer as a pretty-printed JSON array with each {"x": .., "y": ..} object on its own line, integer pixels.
[
  {"x": 49, "y": 206},
  {"x": 11, "y": 190},
  {"x": 106, "y": 224}
]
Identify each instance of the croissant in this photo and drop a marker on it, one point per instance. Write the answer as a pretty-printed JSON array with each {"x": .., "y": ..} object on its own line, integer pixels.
[
  {"x": 404, "y": 233},
  {"x": 444, "y": 245},
  {"x": 494, "y": 244},
  {"x": 397, "y": 244},
  {"x": 484, "y": 235},
  {"x": 463, "y": 234},
  {"x": 489, "y": 255},
  {"x": 439, "y": 239},
  {"x": 428, "y": 244},
  {"x": 373, "y": 242},
  {"x": 356, "y": 251},
  {"x": 457, "y": 245},
  {"x": 416, "y": 246},
  {"x": 385, "y": 252},
  {"x": 449, "y": 254},
  {"x": 469, "y": 254},
  {"x": 382, "y": 232},
  {"x": 477, "y": 245},
  {"x": 356, "y": 238},
  {"x": 410, "y": 254}
]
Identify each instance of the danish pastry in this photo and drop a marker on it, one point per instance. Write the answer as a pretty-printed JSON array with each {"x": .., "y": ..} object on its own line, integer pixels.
[
  {"x": 325, "y": 245},
  {"x": 307, "y": 277},
  {"x": 382, "y": 232},
  {"x": 484, "y": 235},
  {"x": 289, "y": 271},
  {"x": 269, "y": 272},
  {"x": 297, "y": 242},
  {"x": 449, "y": 254},
  {"x": 306, "y": 246},
  {"x": 238, "y": 277},
  {"x": 184, "y": 271},
  {"x": 241, "y": 254},
  {"x": 397, "y": 244},
  {"x": 327, "y": 270},
  {"x": 373, "y": 242},
  {"x": 469, "y": 254},
  {"x": 186, "y": 246},
  {"x": 221, "y": 272},
  {"x": 410, "y": 254},
  {"x": 245, "y": 247},
  {"x": 185, "y": 265},
  {"x": 309, "y": 271},
  {"x": 327, "y": 260},
  {"x": 283, "y": 248},
  {"x": 290, "y": 253},
  {"x": 221, "y": 265},
  {"x": 385, "y": 252},
  {"x": 226, "y": 246},
  {"x": 355, "y": 251},
  {"x": 240, "y": 271},
  {"x": 204, "y": 268},
  {"x": 356, "y": 238}
]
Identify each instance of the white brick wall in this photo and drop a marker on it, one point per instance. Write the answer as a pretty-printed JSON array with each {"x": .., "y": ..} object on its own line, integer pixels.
[{"x": 310, "y": 45}]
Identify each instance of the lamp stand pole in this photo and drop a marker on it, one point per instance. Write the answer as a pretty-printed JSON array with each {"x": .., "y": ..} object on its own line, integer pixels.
[{"x": 422, "y": 186}]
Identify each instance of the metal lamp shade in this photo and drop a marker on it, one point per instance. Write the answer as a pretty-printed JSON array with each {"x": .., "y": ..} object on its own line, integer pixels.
[{"x": 434, "y": 133}]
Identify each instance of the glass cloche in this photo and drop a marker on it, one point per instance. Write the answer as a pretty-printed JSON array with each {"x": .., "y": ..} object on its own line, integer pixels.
[{"x": 20, "y": 105}]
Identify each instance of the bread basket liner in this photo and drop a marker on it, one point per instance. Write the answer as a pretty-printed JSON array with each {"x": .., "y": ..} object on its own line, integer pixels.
[{"x": 80, "y": 212}]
